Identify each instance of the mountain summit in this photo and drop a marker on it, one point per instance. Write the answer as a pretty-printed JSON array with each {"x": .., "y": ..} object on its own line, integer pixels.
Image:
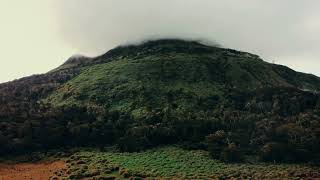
[{"x": 160, "y": 92}]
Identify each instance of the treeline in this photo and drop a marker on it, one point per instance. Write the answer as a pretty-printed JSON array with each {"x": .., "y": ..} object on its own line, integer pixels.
[
  {"x": 277, "y": 124},
  {"x": 20, "y": 98}
]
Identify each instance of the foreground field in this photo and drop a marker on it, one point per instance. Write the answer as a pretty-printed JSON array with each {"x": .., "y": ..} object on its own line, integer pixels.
[
  {"x": 31, "y": 171},
  {"x": 176, "y": 163},
  {"x": 160, "y": 163}
]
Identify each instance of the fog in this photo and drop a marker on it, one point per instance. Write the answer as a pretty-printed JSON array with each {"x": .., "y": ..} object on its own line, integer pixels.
[
  {"x": 46, "y": 33},
  {"x": 285, "y": 32}
]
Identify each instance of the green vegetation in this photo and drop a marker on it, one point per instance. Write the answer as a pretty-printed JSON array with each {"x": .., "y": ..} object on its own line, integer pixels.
[
  {"x": 135, "y": 83},
  {"x": 167, "y": 92},
  {"x": 132, "y": 86},
  {"x": 173, "y": 162}
]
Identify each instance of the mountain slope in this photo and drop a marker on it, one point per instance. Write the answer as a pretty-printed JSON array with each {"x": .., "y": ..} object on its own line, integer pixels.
[
  {"x": 131, "y": 78},
  {"x": 162, "y": 92}
]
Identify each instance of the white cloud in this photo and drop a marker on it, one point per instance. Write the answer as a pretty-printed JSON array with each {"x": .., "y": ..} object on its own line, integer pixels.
[
  {"x": 45, "y": 32},
  {"x": 29, "y": 40},
  {"x": 276, "y": 30}
]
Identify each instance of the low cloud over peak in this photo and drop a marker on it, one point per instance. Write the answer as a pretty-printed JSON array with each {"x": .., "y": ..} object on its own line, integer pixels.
[{"x": 276, "y": 30}]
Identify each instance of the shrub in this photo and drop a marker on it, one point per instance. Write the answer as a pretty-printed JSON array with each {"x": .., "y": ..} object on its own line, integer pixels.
[
  {"x": 273, "y": 151},
  {"x": 231, "y": 154},
  {"x": 142, "y": 137},
  {"x": 216, "y": 142},
  {"x": 132, "y": 144}
]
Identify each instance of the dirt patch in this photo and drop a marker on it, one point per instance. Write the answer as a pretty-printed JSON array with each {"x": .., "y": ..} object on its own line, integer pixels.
[{"x": 30, "y": 171}]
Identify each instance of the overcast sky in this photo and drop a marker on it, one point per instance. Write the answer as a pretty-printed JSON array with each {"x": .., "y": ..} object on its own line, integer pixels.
[{"x": 39, "y": 35}]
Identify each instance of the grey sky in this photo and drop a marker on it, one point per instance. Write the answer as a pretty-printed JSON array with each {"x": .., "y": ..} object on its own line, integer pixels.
[{"x": 283, "y": 31}]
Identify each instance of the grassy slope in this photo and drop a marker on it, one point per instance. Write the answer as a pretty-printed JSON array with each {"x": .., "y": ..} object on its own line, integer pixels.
[
  {"x": 173, "y": 162},
  {"x": 133, "y": 83},
  {"x": 119, "y": 84}
]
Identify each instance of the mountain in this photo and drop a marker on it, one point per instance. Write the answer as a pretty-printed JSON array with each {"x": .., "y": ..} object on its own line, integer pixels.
[
  {"x": 165, "y": 91},
  {"x": 148, "y": 73}
]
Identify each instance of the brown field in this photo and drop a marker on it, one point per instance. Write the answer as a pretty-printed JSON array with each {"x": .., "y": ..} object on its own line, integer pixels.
[{"x": 30, "y": 171}]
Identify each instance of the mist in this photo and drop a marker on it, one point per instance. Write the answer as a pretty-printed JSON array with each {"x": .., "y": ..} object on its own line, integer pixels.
[{"x": 285, "y": 32}]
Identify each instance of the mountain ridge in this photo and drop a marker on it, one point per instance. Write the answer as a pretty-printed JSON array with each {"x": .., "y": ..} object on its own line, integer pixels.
[{"x": 137, "y": 47}]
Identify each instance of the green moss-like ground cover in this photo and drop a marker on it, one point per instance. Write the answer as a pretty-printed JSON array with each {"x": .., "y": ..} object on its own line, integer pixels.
[
  {"x": 173, "y": 162},
  {"x": 128, "y": 84}
]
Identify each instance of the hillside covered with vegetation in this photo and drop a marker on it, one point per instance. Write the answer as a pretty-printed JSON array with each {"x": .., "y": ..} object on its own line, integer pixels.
[{"x": 229, "y": 103}]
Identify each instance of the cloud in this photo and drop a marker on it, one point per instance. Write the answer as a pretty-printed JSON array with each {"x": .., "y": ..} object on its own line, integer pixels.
[
  {"x": 29, "y": 40},
  {"x": 275, "y": 30}
]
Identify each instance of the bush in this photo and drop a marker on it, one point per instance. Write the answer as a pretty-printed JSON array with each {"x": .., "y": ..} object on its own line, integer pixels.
[
  {"x": 132, "y": 144},
  {"x": 231, "y": 154},
  {"x": 216, "y": 142},
  {"x": 274, "y": 151},
  {"x": 143, "y": 137}
]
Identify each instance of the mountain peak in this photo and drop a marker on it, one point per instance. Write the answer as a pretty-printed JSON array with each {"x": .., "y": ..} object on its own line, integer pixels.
[
  {"x": 160, "y": 46},
  {"x": 76, "y": 59},
  {"x": 176, "y": 46}
]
